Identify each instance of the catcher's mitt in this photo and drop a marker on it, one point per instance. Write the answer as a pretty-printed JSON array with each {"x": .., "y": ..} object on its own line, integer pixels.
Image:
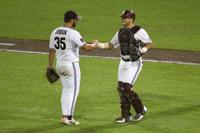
[{"x": 51, "y": 75}]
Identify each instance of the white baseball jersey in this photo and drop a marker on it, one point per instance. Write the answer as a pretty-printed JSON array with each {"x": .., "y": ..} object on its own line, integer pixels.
[{"x": 66, "y": 41}]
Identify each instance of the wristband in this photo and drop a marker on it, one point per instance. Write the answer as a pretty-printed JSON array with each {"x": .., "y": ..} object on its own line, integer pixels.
[
  {"x": 101, "y": 45},
  {"x": 144, "y": 50}
]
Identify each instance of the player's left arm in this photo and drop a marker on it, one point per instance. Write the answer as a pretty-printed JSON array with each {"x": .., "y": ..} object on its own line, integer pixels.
[
  {"x": 89, "y": 46},
  {"x": 51, "y": 57},
  {"x": 79, "y": 41},
  {"x": 144, "y": 38},
  {"x": 147, "y": 47}
]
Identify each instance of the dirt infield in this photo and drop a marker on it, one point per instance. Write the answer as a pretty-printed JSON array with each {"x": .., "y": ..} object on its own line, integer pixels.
[{"x": 154, "y": 54}]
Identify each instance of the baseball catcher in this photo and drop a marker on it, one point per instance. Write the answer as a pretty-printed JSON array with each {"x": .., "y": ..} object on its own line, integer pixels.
[{"x": 133, "y": 42}]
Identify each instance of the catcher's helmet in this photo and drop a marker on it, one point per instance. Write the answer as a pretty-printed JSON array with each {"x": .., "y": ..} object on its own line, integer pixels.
[
  {"x": 71, "y": 15},
  {"x": 128, "y": 14}
]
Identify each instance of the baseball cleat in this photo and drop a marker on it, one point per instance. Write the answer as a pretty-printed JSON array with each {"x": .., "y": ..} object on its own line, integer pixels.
[
  {"x": 123, "y": 120},
  {"x": 139, "y": 116},
  {"x": 66, "y": 121},
  {"x": 120, "y": 120},
  {"x": 145, "y": 110}
]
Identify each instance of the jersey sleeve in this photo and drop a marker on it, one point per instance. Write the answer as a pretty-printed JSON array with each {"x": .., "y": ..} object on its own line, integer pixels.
[
  {"x": 115, "y": 40},
  {"x": 77, "y": 39},
  {"x": 51, "y": 41},
  {"x": 143, "y": 36}
]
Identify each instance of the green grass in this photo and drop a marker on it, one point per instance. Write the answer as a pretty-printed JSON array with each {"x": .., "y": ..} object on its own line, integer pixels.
[
  {"x": 172, "y": 24},
  {"x": 29, "y": 104}
]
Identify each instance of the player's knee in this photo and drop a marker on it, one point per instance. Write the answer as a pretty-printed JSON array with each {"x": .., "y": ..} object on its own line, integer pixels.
[
  {"x": 120, "y": 86},
  {"x": 66, "y": 90},
  {"x": 127, "y": 90},
  {"x": 124, "y": 86},
  {"x": 127, "y": 86}
]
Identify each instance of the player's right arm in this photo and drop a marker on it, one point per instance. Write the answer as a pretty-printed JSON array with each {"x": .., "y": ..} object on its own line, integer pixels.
[
  {"x": 105, "y": 45},
  {"x": 51, "y": 57},
  {"x": 114, "y": 43},
  {"x": 52, "y": 51}
]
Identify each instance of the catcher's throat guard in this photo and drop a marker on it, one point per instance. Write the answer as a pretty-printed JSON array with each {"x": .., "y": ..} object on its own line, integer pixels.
[{"x": 129, "y": 46}]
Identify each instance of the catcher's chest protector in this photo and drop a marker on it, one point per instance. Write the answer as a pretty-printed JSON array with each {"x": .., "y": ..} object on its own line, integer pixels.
[{"x": 126, "y": 37}]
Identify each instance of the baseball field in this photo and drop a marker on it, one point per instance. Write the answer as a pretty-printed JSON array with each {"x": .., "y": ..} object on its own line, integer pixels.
[{"x": 29, "y": 104}]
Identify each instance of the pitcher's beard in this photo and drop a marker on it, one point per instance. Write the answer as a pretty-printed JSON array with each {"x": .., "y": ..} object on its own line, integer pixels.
[{"x": 74, "y": 24}]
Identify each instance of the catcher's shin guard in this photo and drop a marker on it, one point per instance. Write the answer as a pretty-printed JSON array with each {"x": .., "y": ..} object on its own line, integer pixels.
[
  {"x": 124, "y": 102},
  {"x": 133, "y": 98}
]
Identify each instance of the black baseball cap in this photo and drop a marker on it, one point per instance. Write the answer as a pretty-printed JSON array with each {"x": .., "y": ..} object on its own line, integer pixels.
[
  {"x": 71, "y": 15},
  {"x": 128, "y": 14}
]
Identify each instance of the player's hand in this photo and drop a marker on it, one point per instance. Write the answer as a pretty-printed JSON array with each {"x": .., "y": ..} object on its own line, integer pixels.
[
  {"x": 95, "y": 42},
  {"x": 143, "y": 50},
  {"x": 89, "y": 46}
]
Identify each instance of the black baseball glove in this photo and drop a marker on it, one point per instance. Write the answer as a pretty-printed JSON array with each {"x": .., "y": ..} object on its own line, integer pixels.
[{"x": 51, "y": 75}]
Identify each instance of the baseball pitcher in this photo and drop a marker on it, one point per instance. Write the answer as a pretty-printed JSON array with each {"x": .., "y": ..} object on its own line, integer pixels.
[
  {"x": 65, "y": 42},
  {"x": 133, "y": 42}
]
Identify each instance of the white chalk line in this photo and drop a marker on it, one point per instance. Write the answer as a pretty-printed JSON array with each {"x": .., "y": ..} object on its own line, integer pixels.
[
  {"x": 103, "y": 57},
  {"x": 7, "y": 44}
]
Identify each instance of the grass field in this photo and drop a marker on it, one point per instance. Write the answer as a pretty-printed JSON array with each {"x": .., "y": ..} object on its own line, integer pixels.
[
  {"x": 172, "y": 24},
  {"x": 29, "y": 104}
]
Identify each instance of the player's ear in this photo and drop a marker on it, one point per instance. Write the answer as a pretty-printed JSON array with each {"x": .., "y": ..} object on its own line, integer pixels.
[{"x": 71, "y": 20}]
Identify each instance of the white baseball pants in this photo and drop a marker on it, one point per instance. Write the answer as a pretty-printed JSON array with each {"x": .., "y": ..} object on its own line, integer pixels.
[
  {"x": 70, "y": 79},
  {"x": 129, "y": 71}
]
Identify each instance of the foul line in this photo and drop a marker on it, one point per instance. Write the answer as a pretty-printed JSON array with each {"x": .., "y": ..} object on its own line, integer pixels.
[
  {"x": 147, "y": 60},
  {"x": 7, "y": 44},
  {"x": 102, "y": 57}
]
